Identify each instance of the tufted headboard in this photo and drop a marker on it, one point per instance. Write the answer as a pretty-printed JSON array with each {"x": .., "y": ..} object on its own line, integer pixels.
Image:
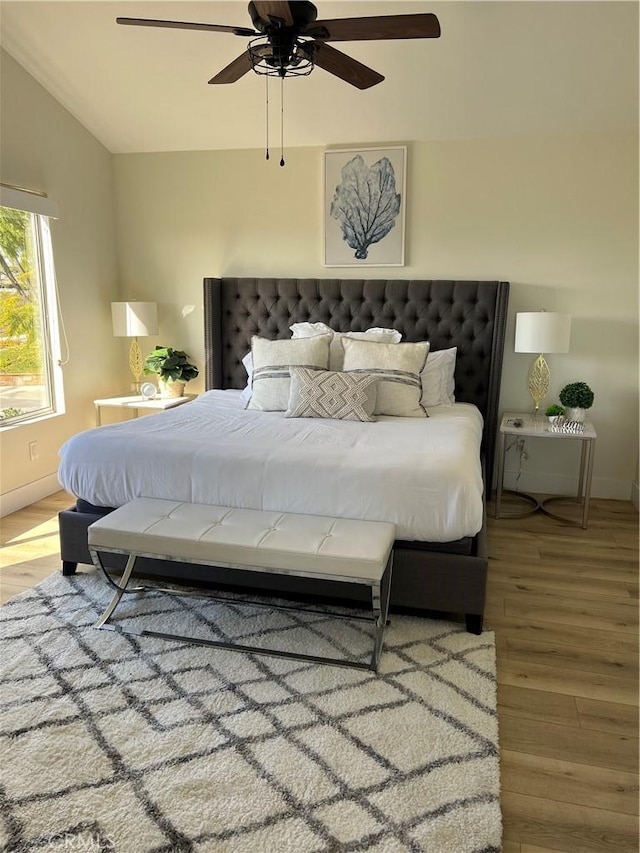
[{"x": 470, "y": 315}]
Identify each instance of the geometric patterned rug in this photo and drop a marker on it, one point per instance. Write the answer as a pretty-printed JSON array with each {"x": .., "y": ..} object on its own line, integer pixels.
[{"x": 112, "y": 742}]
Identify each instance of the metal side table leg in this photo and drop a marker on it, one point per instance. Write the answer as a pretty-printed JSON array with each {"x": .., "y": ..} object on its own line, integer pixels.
[
  {"x": 501, "y": 453},
  {"x": 590, "y": 447}
]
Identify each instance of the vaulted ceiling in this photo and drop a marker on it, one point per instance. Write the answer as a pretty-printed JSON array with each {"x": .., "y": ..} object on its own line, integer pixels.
[{"x": 499, "y": 69}]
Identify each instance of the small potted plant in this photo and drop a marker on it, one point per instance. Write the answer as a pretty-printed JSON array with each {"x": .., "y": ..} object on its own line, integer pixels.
[
  {"x": 576, "y": 398},
  {"x": 555, "y": 413},
  {"x": 173, "y": 369}
]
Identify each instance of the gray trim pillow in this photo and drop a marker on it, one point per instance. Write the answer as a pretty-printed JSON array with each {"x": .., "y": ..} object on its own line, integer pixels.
[
  {"x": 271, "y": 377},
  {"x": 331, "y": 394},
  {"x": 398, "y": 367}
]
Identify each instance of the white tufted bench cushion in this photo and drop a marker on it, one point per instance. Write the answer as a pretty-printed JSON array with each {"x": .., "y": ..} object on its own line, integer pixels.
[
  {"x": 313, "y": 545},
  {"x": 340, "y": 549}
]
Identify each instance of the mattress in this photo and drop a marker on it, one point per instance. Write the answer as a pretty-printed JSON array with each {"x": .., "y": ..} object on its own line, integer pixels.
[{"x": 422, "y": 474}]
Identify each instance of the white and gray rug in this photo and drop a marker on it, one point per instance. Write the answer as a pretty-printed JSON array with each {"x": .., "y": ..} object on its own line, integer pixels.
[{"x": 111, "y": 742}]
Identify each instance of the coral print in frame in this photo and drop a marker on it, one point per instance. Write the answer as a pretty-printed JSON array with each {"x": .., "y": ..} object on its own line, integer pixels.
[{"x": 364, "y": 212}]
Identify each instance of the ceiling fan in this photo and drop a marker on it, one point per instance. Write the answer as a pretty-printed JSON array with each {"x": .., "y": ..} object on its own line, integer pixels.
[{"x": 289, "y": 41}]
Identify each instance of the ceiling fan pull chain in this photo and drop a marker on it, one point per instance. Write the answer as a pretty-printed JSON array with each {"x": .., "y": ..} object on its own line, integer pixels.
[
  {"x": 282, "y": 121},
  {"x": 266, "y": 81}
]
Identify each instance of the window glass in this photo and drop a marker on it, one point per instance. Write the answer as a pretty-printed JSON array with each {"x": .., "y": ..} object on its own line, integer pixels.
[{"x": 29, "y": 348}]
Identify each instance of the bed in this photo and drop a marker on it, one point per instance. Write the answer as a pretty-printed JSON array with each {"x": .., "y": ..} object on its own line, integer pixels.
[{"x": 440, "y": 556}]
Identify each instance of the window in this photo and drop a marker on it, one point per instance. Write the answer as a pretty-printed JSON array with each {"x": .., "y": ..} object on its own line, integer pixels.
[{"x": 30, "y": 375}]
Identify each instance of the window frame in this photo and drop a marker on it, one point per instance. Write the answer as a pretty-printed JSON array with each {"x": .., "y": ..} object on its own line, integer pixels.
[{"x": 40, "y": 210}]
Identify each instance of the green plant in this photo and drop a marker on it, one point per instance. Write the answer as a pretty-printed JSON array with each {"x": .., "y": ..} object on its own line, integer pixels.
[
  {"x": 170, "y": 365},
  {"x": 554, "y": 410},
  {"x": 577, "y": 395},
  {"x": 10, "y": 413}
]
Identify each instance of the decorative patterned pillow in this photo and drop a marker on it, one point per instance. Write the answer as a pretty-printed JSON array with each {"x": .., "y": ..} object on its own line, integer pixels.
[
  {"x": 398, "y": 367},
  {"x": 336, "y": 351},
  {"x": 438, "y": 382},
  {"x": 271, "y": 376},
  {"x": 331, "y": 394}
]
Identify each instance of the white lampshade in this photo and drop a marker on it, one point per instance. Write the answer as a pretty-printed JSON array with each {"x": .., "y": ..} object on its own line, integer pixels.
[
  {"x": 134, "y": 319},
  {"x": 542, "y": 331}
]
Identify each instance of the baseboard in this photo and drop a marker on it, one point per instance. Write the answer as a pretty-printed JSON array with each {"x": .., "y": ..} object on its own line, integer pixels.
[
  {"x": 30, "y": 493},
  {"x": 555, "y": 484}
]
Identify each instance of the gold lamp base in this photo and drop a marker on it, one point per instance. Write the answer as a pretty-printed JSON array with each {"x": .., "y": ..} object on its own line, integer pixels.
[
  {"x": 136, "y": 363},
  {"x": 539, "y": 380}
]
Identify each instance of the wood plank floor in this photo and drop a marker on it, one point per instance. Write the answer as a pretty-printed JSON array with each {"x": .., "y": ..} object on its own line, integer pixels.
[{"x": 563, "y": 603}]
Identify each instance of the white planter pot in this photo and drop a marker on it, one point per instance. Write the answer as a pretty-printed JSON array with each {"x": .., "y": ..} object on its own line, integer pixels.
[{"x": 576, "y": 415}]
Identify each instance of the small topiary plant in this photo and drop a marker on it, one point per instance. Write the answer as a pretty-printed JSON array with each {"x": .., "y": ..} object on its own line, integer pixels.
[
  {"x": 577, "y": 395},
  {"x": 554, "y": 410}
]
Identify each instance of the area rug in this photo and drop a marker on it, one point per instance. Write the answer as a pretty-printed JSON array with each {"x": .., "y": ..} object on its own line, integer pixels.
[{"x": 111, "y": 742}]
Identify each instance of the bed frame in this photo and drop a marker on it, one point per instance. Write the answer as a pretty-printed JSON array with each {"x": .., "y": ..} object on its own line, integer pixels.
[{"x": 449, "y": 578}]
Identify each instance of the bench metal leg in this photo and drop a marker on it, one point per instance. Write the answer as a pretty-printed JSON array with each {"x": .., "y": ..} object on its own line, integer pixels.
[
  {"x": 121, "y": 587},
  {"x": 237, "y": 647},
  {"x": 380, "y": 593},
  {"x": 380, "y": 602}
]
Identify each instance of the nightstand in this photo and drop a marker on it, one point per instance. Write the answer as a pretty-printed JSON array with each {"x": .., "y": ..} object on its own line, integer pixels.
[
  {"x": 138, "y": 403},
  {"x": 539, "y": 427}
]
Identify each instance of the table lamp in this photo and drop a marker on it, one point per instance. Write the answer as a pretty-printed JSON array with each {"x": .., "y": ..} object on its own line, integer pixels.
[
  {"x": 135, "y": 320},
  {"x": 541, "y": 331}
]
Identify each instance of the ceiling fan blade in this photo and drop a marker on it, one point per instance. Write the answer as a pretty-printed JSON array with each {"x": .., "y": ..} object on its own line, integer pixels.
[
  {"x": 234, "y": 70},
  {"x": 275, "y": 9},
  {"x": 186, "y": 25},
  {"x": 345, "y": 67},
  {"x": 381, "y": 27}
]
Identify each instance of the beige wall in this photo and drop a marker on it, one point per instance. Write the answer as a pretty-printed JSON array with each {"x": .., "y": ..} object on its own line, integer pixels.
[
  {"x": 45, "y": 148},
  {"x": 558, "y": 217}
]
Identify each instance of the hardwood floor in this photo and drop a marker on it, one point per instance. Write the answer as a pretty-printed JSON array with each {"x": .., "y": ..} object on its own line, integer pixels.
[{"x": 563, "y": 603}]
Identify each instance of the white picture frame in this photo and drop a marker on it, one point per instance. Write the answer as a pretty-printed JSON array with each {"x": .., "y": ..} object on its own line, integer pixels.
[{"x": 383, "y": 171}]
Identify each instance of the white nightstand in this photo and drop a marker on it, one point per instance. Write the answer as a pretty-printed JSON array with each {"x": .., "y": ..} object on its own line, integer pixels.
[
  {"x": 137, "y": 403},
  {"x": 539, "y": 427}
]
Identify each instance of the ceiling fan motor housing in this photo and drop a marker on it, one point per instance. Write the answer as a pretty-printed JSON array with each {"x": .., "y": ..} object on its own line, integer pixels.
[{"x": 302, "y": 12}]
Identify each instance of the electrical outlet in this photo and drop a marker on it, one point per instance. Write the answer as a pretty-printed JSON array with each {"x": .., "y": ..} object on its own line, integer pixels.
[{"x": 33, "y": 450}]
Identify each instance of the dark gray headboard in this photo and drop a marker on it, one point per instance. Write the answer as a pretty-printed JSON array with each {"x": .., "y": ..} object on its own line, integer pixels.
[{"x": 470, "y": 315}]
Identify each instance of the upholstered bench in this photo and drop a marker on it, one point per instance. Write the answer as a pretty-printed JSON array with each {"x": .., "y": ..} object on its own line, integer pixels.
[{"x": 306, "y": 546}]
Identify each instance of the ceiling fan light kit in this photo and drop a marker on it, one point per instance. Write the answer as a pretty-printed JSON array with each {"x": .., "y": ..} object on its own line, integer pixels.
[
  {"x": 269, "y": 60},
  {"x": 288, "y": 41}
]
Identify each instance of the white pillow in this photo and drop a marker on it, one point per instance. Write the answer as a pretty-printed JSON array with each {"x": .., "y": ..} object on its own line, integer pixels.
[
  {"x": 271, "y": 377},
  {"x": 247, "y": 363},
  {"x": 438, "y": 383},
  {"x": 336, "y": 350},
  {"x": 398, "y": 367},
  {"x": 308, "y": 330}
]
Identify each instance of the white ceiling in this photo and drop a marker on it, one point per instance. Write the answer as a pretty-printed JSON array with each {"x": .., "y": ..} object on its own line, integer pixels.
[{"x": 499, "y": 69}]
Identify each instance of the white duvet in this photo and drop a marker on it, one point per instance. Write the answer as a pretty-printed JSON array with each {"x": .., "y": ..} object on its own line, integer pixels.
[{"x": 423, "y": 474}]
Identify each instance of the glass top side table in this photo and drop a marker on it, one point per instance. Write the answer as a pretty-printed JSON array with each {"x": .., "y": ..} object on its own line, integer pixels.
[{"x": 527, "y": 425}]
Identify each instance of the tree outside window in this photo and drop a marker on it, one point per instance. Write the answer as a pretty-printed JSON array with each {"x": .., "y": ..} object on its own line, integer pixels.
[{"x": 26, "y": 386}]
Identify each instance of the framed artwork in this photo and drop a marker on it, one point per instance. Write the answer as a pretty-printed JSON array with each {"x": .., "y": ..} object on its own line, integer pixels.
[{"x": 364, "y": 207}]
